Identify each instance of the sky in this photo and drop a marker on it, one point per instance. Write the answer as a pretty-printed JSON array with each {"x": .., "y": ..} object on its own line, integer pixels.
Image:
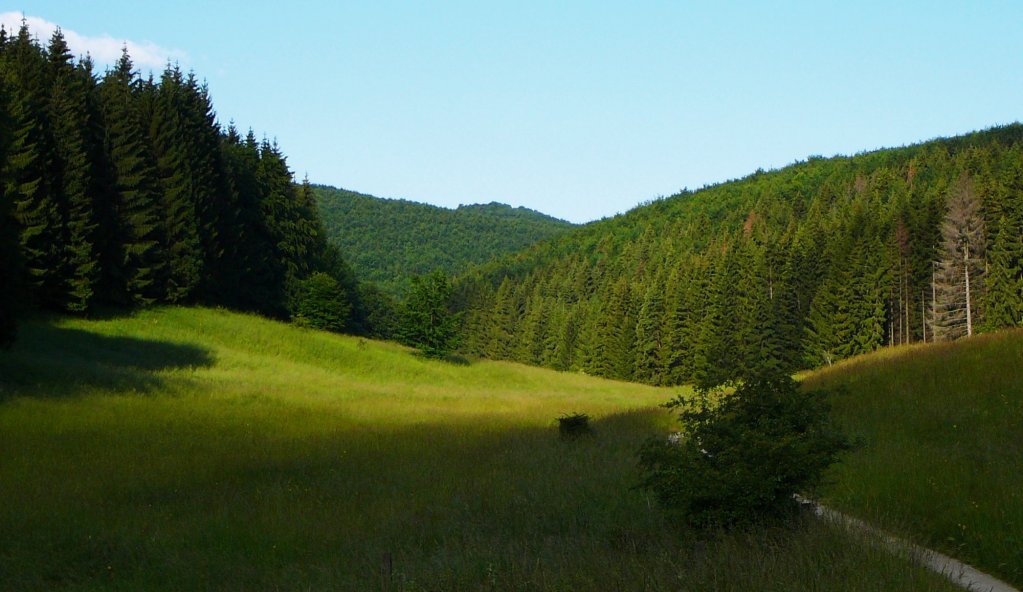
[{"x": 580, "y": 110}]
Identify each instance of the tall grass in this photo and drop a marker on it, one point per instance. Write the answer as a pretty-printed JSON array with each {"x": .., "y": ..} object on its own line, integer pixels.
[
  {"x": 190, "y": 449},
  {"x": 942, "y": 427}
]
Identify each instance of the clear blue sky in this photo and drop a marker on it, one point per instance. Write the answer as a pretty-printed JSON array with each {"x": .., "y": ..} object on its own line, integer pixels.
[{"x": 577, "y": 109}]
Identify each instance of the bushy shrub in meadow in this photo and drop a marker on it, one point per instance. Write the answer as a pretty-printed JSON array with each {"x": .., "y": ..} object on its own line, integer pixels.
[
  {"x": 574, "y": 425},
  {"x": 742, "y": 456}
]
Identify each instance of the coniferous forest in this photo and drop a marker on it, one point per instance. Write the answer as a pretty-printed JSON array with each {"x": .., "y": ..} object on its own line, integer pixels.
[
  {"x": 120, "y": 191},
  {"x": 794, "y": 268}
]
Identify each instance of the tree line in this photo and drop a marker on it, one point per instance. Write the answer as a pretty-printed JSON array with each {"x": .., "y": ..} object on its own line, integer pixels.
[
  {"x": 795, "y": 268},
  {"x": 121, "y": 191}
]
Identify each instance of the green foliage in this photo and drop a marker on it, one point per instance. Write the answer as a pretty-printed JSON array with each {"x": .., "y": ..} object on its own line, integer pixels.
[
  {"x": 794, "y": 268},
  {"x": 574, "y": 425},
  {"x": 744, "y": 455},
  {"x": 122, "y": 191},
  {"x": 427, "y": 321},
  {"x": 321, "y": 302},
  {"x": 391, "y": 240}
]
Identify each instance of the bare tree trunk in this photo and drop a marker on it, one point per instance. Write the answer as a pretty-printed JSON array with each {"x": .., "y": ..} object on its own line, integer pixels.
[
  {"x": 969, "y": 311},
  {"x": 909, "y": 335},
  {"x": 934, "y": 300},
  {"x": 923, "y": 316}
]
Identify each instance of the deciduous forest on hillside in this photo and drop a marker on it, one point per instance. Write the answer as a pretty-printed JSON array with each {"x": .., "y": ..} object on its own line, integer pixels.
[{"x": 388, "y": 241}]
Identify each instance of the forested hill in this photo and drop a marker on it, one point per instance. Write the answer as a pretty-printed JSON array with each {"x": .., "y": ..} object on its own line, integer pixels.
[
  {"x": 390, "y": 240},
  {"x": 119, "y": 191},
  {"x": 798, "y": 267}
]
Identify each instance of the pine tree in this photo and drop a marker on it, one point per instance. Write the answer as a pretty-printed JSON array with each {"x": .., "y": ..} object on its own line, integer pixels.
[
  {"x": 73, "y": 175},
  {"x": 1004, "y": 279},
  {"x": 28, "y": 168},
  {"x": 251, "y": 262},
  {"x": 215, "y": 208},
  {"x": 171, "y": 140},
  {"x": 503, "y": 322},
  {"x": 10, "y": 270},
  {"x": 650, "y": 336},
  {"x": 136, "y": 199},
  {"x": 427, "y": 320}
]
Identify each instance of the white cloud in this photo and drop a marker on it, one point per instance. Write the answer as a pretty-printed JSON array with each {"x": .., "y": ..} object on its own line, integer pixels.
[{"x": 104, "y": 49}]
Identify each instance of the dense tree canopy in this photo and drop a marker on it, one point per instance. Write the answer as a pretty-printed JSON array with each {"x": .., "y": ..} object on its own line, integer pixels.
[
  {"x": 390, "y": 240},
  {"x": 802, "y": 266},
  {"x": 120, "y": 190}
]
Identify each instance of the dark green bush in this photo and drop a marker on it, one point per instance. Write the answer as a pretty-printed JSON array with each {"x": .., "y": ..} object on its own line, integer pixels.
[
  {"x": 321, "y": 302},
  {"x": 742, "y": 456},
  {"x": 574, "y": 425}
]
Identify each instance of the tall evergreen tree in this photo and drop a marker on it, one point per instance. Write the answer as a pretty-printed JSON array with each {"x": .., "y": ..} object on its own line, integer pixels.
[
  {"x": 10, "y": 271},
  {"x": 1004, "y": 279},
  {"x": 171, "y": 140},
  {"x": 650, "y": 336},
  {"x": 28, "y": 169},
  {"x": 73, "y": 175},
  {"x": 428, "y": 322},
  {"x": 136, "y": 198}
]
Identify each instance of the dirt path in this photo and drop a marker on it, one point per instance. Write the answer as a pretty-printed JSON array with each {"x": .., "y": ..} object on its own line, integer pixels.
[{"x": 960, "y": 573}]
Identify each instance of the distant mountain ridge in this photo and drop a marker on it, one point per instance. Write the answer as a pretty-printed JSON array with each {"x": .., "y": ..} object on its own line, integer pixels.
[{"x": 388, "y": 241}]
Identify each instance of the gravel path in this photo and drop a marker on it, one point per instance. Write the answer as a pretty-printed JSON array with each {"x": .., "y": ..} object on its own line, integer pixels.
[{"x": 960, "y": 573}]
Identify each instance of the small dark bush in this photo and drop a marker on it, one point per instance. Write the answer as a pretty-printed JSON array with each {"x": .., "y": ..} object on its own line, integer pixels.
[
  {"x": 574, "y": 425},
  {"x": 740, "y": 459}
]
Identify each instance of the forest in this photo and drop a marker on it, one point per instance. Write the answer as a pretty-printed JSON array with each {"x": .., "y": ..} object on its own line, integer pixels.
[
  {"x": 388, "y": 241},
  {"x": 122, "y": 191},
  {"x": 795, "y": 268}
]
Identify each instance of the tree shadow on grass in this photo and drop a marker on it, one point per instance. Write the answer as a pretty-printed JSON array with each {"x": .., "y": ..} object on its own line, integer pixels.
[{"x": 48, "y": 361}]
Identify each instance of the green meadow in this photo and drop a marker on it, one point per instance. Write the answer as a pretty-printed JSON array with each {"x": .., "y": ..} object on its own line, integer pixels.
[
  {"x": 942, "y": 456},
  {"x": 195, "y": 449}
]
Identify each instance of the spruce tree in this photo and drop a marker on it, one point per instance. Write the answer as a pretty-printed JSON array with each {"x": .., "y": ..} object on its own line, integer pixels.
[
  {"x": 10, "y": 269},
  {"x": 73, "y": 175},
  {"x": 28, "y": 170},
  {"x": 171, "y": 140},
  {"x": 1004, "y": 279},
  {"x": 504, "y": 322},
  {"x": 136, "y": 198},
  {"x": 254, "y": 270},
  {"x": 427, "y": 320},
  {"x": 650, "y": 336}
]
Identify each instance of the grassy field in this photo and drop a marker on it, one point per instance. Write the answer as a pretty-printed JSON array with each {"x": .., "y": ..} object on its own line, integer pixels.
[
  {"x": 942, "y": 462},
  {"x": 190, "y": 449}
]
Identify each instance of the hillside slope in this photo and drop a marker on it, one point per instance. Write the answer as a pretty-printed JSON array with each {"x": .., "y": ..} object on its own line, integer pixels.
[
  {"x": 942, "y": 428},
  {"x": 806, "y": 265},
  {"x": 191, "y": 449},
  {"x": 390, "y": 240}
]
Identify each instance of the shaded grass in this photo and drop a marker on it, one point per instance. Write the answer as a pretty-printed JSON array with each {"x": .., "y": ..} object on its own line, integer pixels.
[
  {"x": 942, "y": 427},
  {"x": 197, "y": 449}
]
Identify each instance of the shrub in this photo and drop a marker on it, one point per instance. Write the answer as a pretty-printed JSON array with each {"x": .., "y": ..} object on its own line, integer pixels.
[
  {"x": 744, "y": 455},
  {"x": 320, "y": 302},
  {"x": 573, "y": 425}
]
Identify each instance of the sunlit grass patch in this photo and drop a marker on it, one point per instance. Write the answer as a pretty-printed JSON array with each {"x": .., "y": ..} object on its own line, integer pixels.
[
  {"x": 183, "y": 449},
  {"x": 942, "y": 427}
]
